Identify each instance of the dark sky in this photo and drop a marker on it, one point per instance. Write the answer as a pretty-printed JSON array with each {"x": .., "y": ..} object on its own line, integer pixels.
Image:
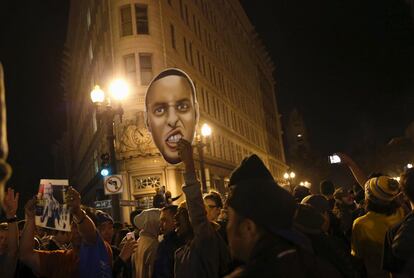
[
  {"x": 346, "y": 65},
  {"x": 31, "y": 42}
]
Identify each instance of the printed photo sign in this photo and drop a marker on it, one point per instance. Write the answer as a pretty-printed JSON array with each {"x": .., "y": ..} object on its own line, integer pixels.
[
  {"x": 172, "y": 111},
  {"x": 51, "y": 210}
]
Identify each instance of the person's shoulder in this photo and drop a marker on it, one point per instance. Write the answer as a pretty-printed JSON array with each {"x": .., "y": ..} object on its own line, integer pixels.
[{"x": 362, "y": 221}]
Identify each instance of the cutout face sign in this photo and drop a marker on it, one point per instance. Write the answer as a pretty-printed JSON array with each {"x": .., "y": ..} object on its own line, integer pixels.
[{"x": 171, "y": 111}]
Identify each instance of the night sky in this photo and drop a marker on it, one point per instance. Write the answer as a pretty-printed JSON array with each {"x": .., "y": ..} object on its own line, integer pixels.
[{"x": 347, "y": 66}]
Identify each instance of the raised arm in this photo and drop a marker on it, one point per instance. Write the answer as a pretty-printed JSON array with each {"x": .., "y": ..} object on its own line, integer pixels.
[
  {"x": 10, "y": 204},
  {"x": 357, "y": 172},
  {"x": 192, "y": 189},
  {"x": 86, "y": 228},
  {"x": 27, "y": 254}
]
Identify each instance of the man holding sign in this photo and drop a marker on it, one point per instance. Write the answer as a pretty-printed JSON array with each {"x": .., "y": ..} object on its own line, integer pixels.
[{"x": 90, "y": 256}]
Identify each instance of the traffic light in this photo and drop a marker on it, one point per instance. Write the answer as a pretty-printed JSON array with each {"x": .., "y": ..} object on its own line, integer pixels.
[{"x": 105, "y": 165}]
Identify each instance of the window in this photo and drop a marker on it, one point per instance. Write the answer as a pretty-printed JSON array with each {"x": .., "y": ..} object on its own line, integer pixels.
[
  {"x": 195, "y": 25},
  {"x": 172, "y": 31},
  {"x": 191, "y": 53},
  {"x": 126, "y": 21},
  {"x": 145, "y": 62},
  {"x": 147, "y": 182},
  {"x": 88, "y": 18},
  {"x": 204, "y": 65},
  {"x": 199, "y": 31},
  {"x": 130, "y": 68},
  {"x": 199, "y": 61},
  {"x": 185, "y": 49},
  {"x": 141, "y": 17},
  {"x": 186, "y": 15},
  {"x": 90, "y": 51},
  {"x": 181, "y": 9}
]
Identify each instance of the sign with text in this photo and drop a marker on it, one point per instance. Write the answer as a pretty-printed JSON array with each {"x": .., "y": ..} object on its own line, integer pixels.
[
  {"x": 129, "y": 203},
  {"x": 103, "y": 204},
  {"x": 113, "y": 184}
]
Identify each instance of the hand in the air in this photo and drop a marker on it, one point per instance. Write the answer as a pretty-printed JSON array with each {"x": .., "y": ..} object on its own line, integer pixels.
[{"x": 11, "y": 202}]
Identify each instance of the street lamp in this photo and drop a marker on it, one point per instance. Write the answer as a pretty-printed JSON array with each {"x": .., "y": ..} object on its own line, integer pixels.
[
  {"x": 118, "y": 91},
  {"x": 201, "y": 142},
  {"x": 289, "y": 177},
  {"x": 305, "y": 184},
  {"x": 409, "y": 165}
]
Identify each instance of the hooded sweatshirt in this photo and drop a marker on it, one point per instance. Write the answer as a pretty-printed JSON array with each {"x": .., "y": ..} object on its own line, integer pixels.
[{"x": 143, "y": 259}]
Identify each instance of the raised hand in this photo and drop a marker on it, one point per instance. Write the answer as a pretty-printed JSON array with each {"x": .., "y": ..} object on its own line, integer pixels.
[
  {"x": 345, "y": 159},
  {"x": 73, "y": 200},
  {"x": 10, "y": 203},
  {"x": 30, "y": 208},
  {"x": 185, "y": 151},
  {"x": 128, "y": 249}
]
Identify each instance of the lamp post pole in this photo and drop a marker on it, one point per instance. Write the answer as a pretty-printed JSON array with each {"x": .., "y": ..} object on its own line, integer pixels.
[
  {"x": 119, "y": 91},
  {"x": 200, "y": 146},
  {"x": 109, "y": 121},
  {"x": 201, "y": 143}
]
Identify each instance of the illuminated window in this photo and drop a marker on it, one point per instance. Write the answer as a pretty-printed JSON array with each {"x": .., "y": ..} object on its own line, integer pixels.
[{"x": 147, "y": 182}]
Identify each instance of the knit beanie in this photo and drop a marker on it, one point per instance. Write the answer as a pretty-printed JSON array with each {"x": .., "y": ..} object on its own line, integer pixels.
[
  {"x": 250, "y": 168},
  {"x": 257, "y": 196},
  {"x": 381, "y": 189}
]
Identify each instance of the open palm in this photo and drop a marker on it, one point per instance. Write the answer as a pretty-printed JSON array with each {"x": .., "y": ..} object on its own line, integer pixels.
[{"x": 11, "y": 202}]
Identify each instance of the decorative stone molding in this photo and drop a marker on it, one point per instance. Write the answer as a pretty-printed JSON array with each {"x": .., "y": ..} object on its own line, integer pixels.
[{"x": 134, "y": 138}]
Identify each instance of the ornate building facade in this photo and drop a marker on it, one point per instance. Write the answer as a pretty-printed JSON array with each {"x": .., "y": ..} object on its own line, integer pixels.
[{"x": 214, "y": 42}]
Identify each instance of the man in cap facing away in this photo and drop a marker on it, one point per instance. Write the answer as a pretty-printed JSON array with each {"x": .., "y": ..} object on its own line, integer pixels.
[{"x": 260, "y": 230}]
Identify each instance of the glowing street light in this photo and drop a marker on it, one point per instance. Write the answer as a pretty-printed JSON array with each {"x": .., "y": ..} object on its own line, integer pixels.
[
  {"x": 97, "y": 95},
  {"x": 289, "y": 177},
  {"x": 409, "y": 166},
  {"x": 205, "y": 130},
  {"x": 118, "y": 89}
]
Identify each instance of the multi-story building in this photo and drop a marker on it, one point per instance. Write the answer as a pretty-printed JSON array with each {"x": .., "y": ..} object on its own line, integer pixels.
[{"x": 214, "y": 42}]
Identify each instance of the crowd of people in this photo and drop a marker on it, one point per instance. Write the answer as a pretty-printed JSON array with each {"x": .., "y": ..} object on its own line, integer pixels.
[{"x": 259, "y": 229}]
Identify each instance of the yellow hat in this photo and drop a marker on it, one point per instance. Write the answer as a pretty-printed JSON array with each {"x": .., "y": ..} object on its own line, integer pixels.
[{"x": 382, "y": 188}]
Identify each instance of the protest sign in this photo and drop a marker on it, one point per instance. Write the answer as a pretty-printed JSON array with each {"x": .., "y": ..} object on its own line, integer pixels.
[
  {"x": 51, "y": 210},
  {"x": 172, "y": 111}
]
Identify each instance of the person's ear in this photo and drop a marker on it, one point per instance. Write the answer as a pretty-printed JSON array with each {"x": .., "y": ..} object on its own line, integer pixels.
[{"x": 249, "y": 229}]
